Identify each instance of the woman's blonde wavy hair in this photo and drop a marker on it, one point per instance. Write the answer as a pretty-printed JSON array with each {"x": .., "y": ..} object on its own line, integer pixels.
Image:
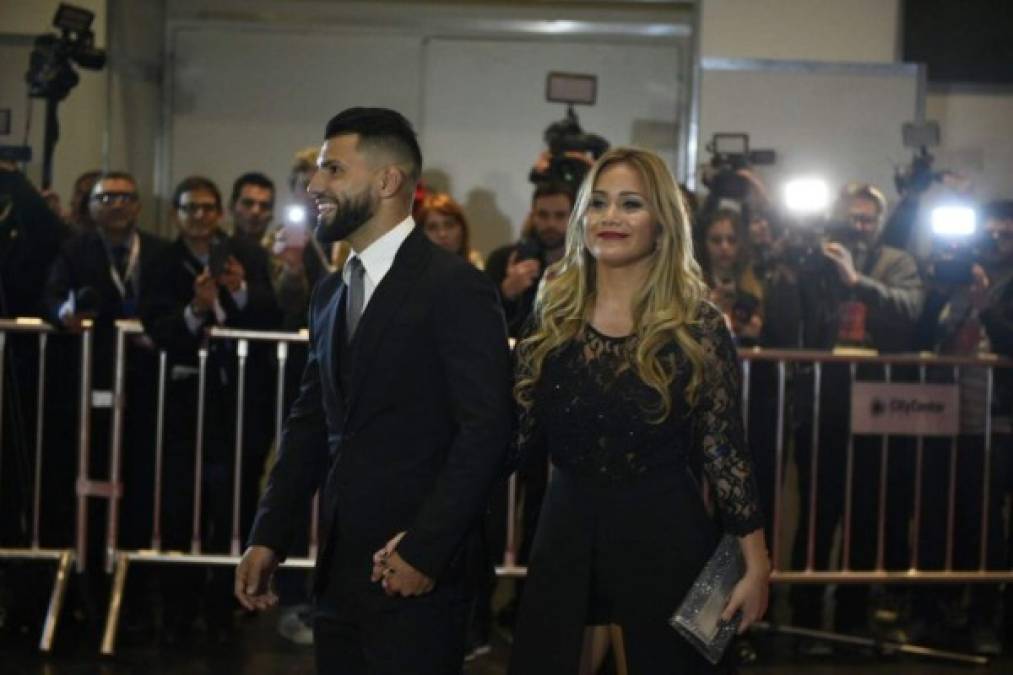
[{"x": 665, "y": 308}]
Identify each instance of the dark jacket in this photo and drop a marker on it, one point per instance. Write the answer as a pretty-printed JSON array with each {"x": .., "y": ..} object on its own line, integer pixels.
[
  {"x": 30, "y": 238},
  {"x": 519, "y": 309},
  {"x": 165, "y": 298},
  {"x": 416, "y": 441},
  {"x": 84, "y": 263},
  {"x": 890, "y": 287}
]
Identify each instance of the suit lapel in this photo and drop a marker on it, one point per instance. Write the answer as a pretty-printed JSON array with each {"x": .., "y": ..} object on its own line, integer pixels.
[
  {"x": 330, "y": 328},
  {"x": 383, "y": 306}
]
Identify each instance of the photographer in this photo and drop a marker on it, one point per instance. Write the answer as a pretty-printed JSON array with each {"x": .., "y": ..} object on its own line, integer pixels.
[
  {"x": 516, "y": 269},
  {"x": 856, "y": 292},
  {"x": 204, "y": 279},
  {"x": 969, "y": 312}
]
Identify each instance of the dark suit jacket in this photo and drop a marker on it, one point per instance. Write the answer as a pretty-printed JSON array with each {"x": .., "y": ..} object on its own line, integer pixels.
[
  {"x": 164, "y": 299},
  {"x": 82, "y": 263},
  {"x": 417, "y": 442},
  {"x": 30, "y": 239}
]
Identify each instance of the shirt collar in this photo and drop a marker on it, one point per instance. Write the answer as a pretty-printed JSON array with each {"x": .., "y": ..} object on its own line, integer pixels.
[
  {"x": 378, "y": 257},
  {"x": 128, "y": 243}
]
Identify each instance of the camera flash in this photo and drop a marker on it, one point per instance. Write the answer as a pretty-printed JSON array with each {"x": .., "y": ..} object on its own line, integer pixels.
[
  {"x": 953, "y": 221},
  {"x": 295, "y": 214},
  {"x": 806, "y": 195}
]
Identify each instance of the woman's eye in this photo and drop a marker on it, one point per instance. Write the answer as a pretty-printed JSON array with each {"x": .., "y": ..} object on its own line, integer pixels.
[
  {"x": 632, "y": 205},
  {"x": 597, "y": 203}
]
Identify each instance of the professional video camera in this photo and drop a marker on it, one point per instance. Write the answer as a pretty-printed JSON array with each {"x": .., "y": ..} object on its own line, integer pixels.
[
  {"x": 50, "y": 73},
  {"x": 919, "y": 175},
  {"x": 51, "y": 76},
  {"x": 730, "y": 153},
  {"x": 566, "y": 138}
]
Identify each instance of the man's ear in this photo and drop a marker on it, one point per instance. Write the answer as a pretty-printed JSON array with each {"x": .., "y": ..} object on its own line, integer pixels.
[{"x": 391, "y": 179}]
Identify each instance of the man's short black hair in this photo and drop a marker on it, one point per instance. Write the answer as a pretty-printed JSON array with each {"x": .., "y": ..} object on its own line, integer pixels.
[
  {"x": 1000, "y": 209},
  {"x": 250, "y": 178},
  {"x": 380, "y": 128},
  {"x": 551, "y": 188},
  {"x": 194, "y": 183}
]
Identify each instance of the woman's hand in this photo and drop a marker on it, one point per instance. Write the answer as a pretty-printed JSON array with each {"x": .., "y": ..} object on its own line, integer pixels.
[{"x": 749, "y": 595}]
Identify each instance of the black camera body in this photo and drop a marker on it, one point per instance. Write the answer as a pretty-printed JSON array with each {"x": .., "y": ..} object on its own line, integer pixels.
[
  {"x": 730, "y": 154},
  {"x": 951, "y": 261},
  {"x": 50, "y": 73},
  {"x": 562, "y": 137}
]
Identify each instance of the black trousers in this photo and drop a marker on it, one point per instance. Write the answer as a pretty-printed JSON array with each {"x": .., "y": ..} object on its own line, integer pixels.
[{"x": 422, "y": 636}]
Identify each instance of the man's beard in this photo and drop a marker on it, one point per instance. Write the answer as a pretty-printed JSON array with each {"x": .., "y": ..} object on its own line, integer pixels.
[
  {"x": 550, "y": 240},
  {"x": 349, "y": 215}
]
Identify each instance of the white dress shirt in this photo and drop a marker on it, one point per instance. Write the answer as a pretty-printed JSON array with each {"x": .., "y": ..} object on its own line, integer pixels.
[{"x": 378, "y": 257}]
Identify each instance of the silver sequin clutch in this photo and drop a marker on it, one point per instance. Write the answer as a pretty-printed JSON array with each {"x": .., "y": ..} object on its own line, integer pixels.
[{"x": 698, "y": 618}]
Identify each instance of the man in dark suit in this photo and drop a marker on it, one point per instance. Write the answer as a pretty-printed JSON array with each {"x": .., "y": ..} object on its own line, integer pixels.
[
  {"x": 206, "y": 279},
  {"x": 403, "y": 418},
  {"x": 98, "y": 275}
]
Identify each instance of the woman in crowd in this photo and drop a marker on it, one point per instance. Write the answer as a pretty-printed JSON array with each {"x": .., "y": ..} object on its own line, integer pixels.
[
  {"x": 627, "y": 378},
  {"x": 445, "y": 224},
  {"x": 729, "y": 274}
]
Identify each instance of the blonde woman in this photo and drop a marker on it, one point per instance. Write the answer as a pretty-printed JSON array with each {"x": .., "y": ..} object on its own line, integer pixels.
[{"x": 627, "y": 379}]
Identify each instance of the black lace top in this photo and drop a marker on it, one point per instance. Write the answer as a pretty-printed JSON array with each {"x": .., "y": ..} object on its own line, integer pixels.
[{"x": 595, "y": 417}]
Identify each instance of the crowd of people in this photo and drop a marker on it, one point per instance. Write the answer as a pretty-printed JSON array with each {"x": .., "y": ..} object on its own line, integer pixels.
[{"x": 233, "y": 264}]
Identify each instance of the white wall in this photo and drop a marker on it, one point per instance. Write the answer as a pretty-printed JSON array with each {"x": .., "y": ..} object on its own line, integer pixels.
[
  {"x": 977, "y": 133},
  {"x": 807, "y": 30},
  {"x": 976, "y": 128}
]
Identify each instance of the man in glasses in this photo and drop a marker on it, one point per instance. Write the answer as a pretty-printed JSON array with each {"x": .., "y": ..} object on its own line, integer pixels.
[
  {"x": 868, "y": 295},
  {"x": 207, "y": 279},
  {"x": 98, "y": 276}
]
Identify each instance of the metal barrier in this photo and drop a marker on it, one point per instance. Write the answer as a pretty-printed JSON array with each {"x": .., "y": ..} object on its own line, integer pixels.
[
  {"x": 118, "y": 560},
  {"x": 785, "y": 363},
  {"x": 64, "y": 558},
  {"x": 780, "y": 574}
]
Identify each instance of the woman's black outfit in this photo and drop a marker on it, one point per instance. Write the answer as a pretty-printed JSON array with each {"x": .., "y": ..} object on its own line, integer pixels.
[{"x": 624, "y": 530}]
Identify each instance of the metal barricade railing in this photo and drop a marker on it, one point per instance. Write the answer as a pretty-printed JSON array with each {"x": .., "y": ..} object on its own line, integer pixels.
[
  {"x": 64, "y": 557},
  {"x": 783, "y": 359},
  {"x": 118, "y": 560},
  {"x": 786, "y": 363}
]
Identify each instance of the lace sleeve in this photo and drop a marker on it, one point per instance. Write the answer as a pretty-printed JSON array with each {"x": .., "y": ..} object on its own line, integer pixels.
[{"x": 717, "y": 429}]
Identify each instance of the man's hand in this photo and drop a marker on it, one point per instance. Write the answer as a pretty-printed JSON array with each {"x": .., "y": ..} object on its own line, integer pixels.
[
  {"x": 520, "y": 276},
  {"x": 233, "y": 276},
  {"x": 253, "y": 578},
  {"x": 751, "y": 329},
  {"x": 841, "y": 258},
  {"x": 978, "y": 292},
  {"x": 395, "y": 575}
]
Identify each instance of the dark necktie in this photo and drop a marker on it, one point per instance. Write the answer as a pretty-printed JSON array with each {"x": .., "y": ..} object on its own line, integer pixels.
[
  {"x": 120, "y": 255},
  {"x": 356, "y": 296}
]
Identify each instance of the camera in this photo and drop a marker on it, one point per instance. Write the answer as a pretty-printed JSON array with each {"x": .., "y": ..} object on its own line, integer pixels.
[
  {"x": 50, "y": 73},
  {"x": 730, "y": 153},
  {"x": 955, "y": 244},
  {"x": 919, "y": 175},
  {"x": 566, "y": 135}
]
